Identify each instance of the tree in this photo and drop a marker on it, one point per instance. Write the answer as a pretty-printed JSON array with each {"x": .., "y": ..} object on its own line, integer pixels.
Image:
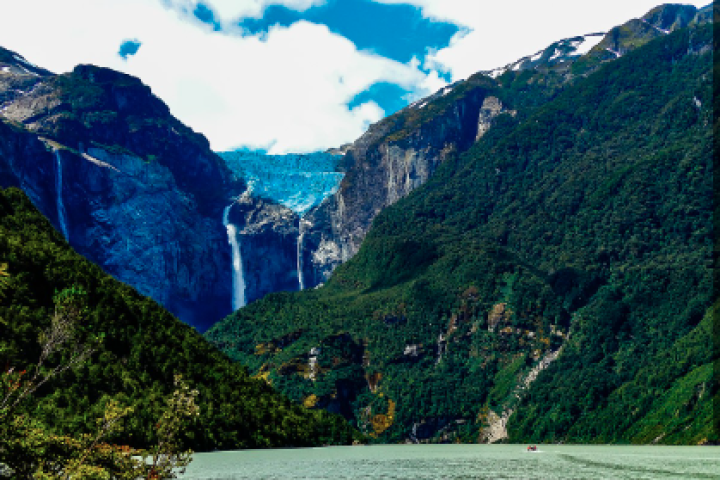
[{"x": 30, "y": 450}]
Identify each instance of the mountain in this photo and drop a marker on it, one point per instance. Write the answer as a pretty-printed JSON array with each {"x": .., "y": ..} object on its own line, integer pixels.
[
  {"x": 143, "y": 196},
  {"x": 403, "y": 151},
  {"x": 129, "y": 186},
  {"x": 144, "y": 346},
  {"x": 526, "y": 258},
  {"x": 12, "y": 63},
  {"x": 577, "y": 55}
]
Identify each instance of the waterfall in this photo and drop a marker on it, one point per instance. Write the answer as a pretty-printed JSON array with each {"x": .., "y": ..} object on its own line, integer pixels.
[
  {"x": 62, "y": 217},
  {"x": 301, "y": 285},
  {"x": 238, "y": 291}
]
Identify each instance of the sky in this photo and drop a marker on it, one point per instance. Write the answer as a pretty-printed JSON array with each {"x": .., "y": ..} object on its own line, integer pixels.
[{"x": 296, "y": 75}]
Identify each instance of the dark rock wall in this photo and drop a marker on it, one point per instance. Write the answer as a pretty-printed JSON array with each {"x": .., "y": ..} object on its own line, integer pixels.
[
  {"x": 383, "y": 166},
  {"x": 141, "y": 194},
  {"x": 268, "y": 236}
]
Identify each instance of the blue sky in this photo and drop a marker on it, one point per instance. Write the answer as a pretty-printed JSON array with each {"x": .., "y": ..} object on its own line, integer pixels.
[
  {"x": 395, "y": 31},
  {"x": 296, "y": 75},
  {"x": 399, "y": 32}
]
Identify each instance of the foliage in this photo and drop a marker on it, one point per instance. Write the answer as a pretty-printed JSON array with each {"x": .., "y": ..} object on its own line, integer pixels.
[
  {"x": 584, "y": 221},
  {"x": 3, "y": 277},
  {"x": 163, "y": 458},
  {"x": 143, "y": 348},
  {"x": 31, "y": 450}
]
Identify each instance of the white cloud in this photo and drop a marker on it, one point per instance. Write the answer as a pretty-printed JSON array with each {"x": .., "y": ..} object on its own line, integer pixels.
[
  {"x": 288, "y": 90},
  {"x": 230, "y": 11},
  {"x": 234, "y": 9},
  {"x": 497, "y": 33}
]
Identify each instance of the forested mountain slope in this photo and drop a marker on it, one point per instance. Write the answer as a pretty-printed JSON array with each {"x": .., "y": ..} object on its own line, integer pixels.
[
  {"x": 402, "y": 151},
  {"x": 553, "y": 283},
  {"x": 143, "y": 348}
]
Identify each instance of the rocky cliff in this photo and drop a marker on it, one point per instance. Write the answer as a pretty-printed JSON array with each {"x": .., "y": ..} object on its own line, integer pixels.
[
  {"x": 391, "y": 159},
  {"x": 128, "y": 185},
  {"x": 402, "y": 152},
  {"x": 267, "y": 237}
]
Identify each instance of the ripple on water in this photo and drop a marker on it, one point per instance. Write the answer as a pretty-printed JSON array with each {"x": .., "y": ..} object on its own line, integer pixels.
[{"x": 395, "y": 462}]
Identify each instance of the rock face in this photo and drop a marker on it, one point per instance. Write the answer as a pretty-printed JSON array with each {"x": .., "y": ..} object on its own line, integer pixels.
[
  {"x": 133, "y": 189},
  {"x": 136, "y": 222},
  {"x": 491, "y": 108},
  {"x": 267, "y": 235},
  {"x": 495, "y": 429},
  {"x": 394, "y": 157}
]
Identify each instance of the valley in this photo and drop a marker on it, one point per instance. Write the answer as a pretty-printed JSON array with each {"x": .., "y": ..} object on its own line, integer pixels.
[{"x": 525, "y": 255}]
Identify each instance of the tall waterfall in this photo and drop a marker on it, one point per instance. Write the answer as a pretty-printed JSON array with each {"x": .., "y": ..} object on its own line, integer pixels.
[
  {"x": 62, "y": 216},
  {"x": 238, "y": 291},
  {"x": 301, "y": 284}
]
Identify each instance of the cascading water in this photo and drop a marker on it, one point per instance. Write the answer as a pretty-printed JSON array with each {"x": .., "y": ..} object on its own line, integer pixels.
[
  {"x": 301, "y": 284},
  {"x": 238, "y": 291},
  {"x": 298, "y": 182},
  {"x": 62, "y": 216}
]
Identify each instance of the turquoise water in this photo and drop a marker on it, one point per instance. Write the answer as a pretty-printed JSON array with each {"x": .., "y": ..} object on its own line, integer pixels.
[{"x": 461, "y": 462}]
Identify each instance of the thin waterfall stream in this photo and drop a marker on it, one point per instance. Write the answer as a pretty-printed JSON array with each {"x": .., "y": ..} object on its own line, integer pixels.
[
  {"x": 238, "y": 279},
  {"x": 301, "y": 284},
  {"x": 62, "y": 214}
]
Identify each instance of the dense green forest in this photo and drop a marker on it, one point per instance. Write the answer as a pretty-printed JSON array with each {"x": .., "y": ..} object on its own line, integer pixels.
[
  {"x": 583, "y": 223},
  {"x": 143, "y": 347}
]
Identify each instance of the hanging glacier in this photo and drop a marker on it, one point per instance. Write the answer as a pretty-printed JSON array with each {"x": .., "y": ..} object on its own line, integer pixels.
[{"x": 297, "y": 181}]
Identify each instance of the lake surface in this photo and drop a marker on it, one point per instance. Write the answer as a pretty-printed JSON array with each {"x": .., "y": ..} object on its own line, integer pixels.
[{"x": 461, "y": 462}]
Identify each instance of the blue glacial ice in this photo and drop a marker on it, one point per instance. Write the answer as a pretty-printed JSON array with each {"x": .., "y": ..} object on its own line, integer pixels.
[{"x": 298, "y": 181}]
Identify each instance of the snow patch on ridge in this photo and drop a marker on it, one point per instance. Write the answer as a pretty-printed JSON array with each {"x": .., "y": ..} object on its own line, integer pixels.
[
  {"x": 558, "y": 53},
  {"x": 588, "y": 43},
  {"x": 566, "y": 49},
  {"x": 666, "y": 32},
  {"x": 23, "y": 61}
]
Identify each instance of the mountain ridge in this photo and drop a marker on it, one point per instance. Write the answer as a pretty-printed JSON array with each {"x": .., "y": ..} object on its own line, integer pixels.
[
  {"x": 402, "y": 151},
  {"x": 131, "y": 187}
]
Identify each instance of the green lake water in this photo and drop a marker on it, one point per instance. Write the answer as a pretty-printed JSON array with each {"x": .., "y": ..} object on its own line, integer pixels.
[{"x": 461, "y": 462}]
